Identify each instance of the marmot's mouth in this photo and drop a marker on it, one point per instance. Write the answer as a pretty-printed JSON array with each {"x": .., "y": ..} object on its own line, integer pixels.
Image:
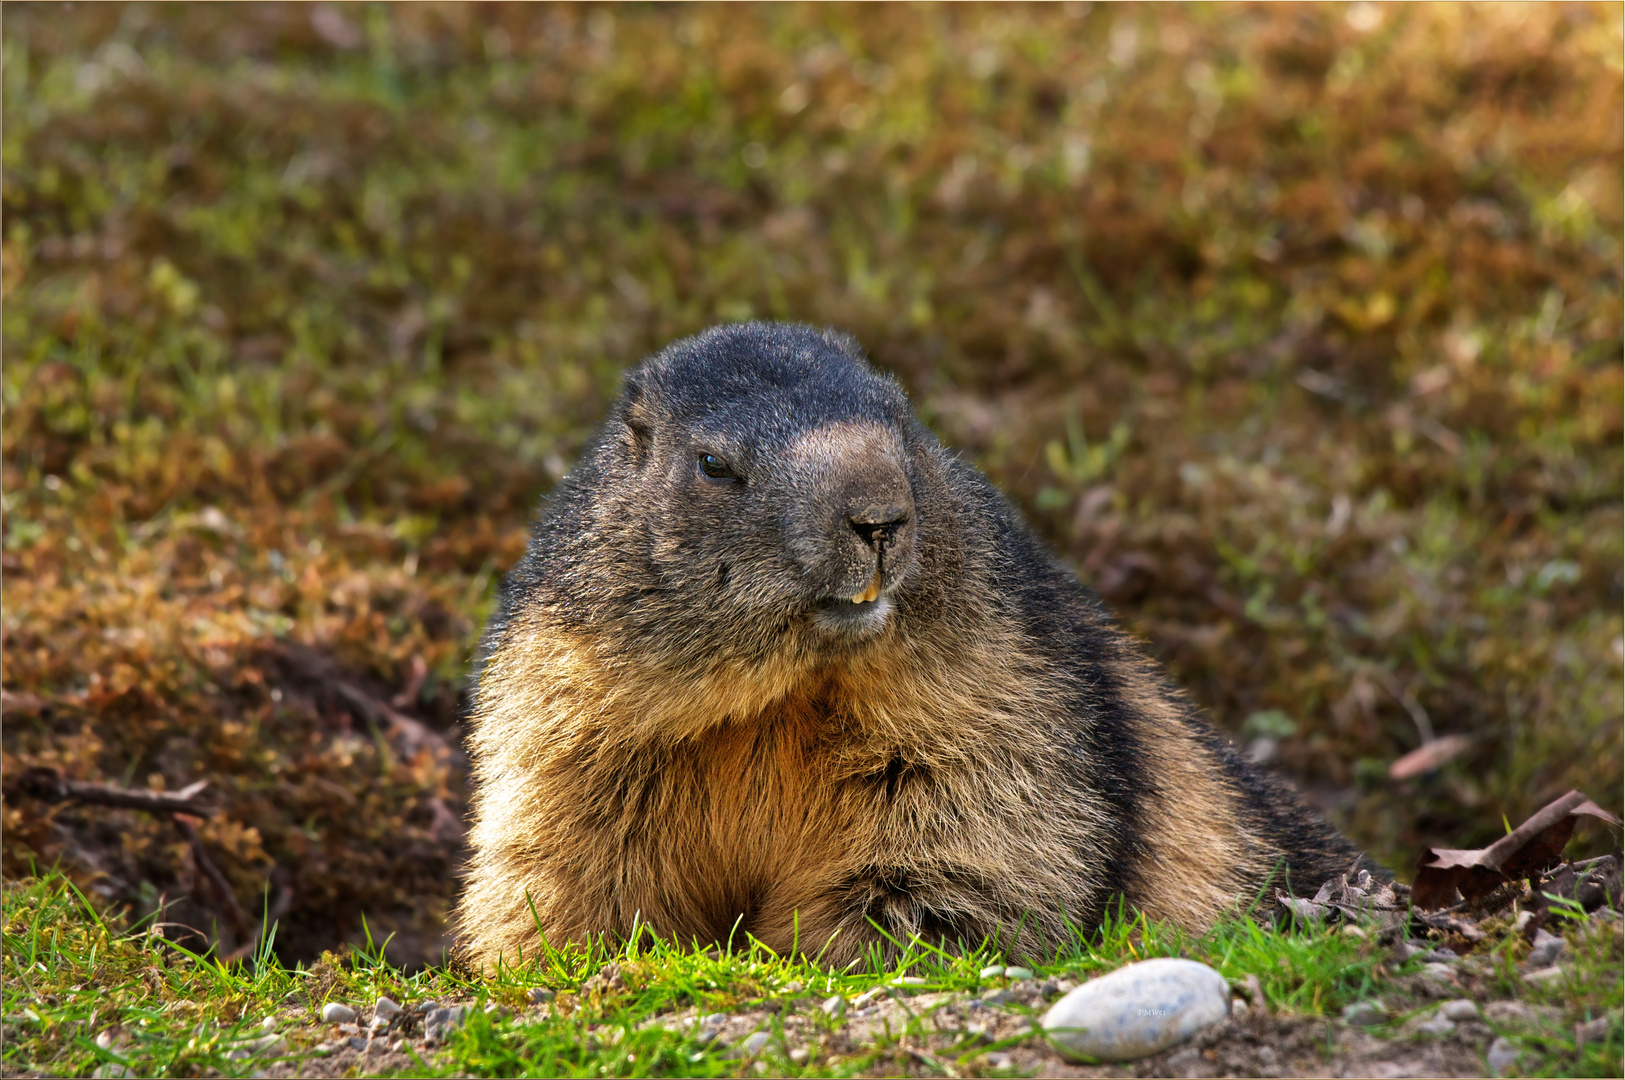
[
  {"x": 870, "y": 594},
  {"x": 854, "y": 615}
]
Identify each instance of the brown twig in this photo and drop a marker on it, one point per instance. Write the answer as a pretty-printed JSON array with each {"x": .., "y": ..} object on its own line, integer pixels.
[
  {"x": 48, "y": 785},
  {"x": 234, "y": 910},
  {"x": 414, "y": 734}
]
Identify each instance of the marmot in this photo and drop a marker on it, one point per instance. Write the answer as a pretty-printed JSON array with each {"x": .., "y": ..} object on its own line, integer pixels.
[{"x": 778, "y": 663}]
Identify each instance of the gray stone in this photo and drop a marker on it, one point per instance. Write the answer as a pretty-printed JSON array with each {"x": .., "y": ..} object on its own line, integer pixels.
[
  {"x": 1018, "y": 973},
  {"x": 1138, "y": 1010},
  {"x": 998, "y": 997},
  {"x": 386, "y": 1008},
  {"x": 357, "y": 1042},
  {"x": 714, "y": 1018},
  {"x": 398, "y": 1045},
  {"x": 1436, "y": 1025},
  {"x": 1460, "y": 1010},
  {"x": 1590, "y": 1031},
  {"x": 1439, "y": 956},
  {"x": 999, "y": 1061},
  {"x": 1365, "y": 1014},
  {"x": 1544, "y": 975},
  {"x": 540, "y": 995},
  {"x": 1438, "y": 972},
  {"x": 991, "y": 972},
  {"x": 440, "y": 1021},
  {"x": 497, "y": 1011},
  {"x": 800, "y": 1055},
  {"x": 1547, "y": 949},
  {"x": 1502, "y": 1056},
  {"x": 1521, "y": 1016},
  {"x": 751, "y": 1046},
  {"x": 337, "y": 1013},
  {"x": 834, "y": 1006}
]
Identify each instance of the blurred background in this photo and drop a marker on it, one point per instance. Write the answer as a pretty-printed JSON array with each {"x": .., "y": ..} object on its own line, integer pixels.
[{"x": 1296, "y": 328}]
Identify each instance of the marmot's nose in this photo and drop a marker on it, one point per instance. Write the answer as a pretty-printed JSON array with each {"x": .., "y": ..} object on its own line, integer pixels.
[{"x": 877, "y": 524}]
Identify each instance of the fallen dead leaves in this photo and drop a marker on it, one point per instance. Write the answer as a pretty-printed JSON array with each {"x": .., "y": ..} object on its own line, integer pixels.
[{"x": 1444, "y": 873}]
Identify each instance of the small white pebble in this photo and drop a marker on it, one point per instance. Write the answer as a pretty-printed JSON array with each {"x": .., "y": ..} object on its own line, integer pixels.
[
  {"x": 1437, "y": 1025},
  {"x": 398, "y": 1045},
  {"x": 834, "y": 1006},
  {"x": 908, "y": 980},
  {"x": 1503, "y": 1054},
  {"x": 755, "y": 1042},
  {"x": 998, "y": 1061},
  {"x": 800, "y": 1055},
  {"x": 992, "y": 972},
  {"x": 268, "y": 1024},
  {"x": 1018, "y": 973},
  {"x": 337, "y": 1013},
  {"x": 1460, "y": 1010},
  {"x": 386, "y": 1008},
  {"x": 1354, "y": 932},
  {"x": 862, "y": 1001},
  {"x": 793, "y": 987}
]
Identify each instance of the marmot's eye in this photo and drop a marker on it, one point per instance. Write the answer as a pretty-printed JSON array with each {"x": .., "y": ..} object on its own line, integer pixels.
[{"x": 714, "y": 468}]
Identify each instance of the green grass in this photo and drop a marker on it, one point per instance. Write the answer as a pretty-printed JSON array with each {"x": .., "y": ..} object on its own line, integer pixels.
[{"x": 71, "y": 972}]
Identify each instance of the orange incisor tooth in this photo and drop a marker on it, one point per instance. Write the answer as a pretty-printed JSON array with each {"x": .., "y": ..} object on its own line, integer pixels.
[{"x": 871, "y": 593}]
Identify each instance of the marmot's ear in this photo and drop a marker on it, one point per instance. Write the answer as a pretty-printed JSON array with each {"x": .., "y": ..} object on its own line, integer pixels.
[
  {"x": 845, "y": 342},
  {"x": 636, "y": 415}
]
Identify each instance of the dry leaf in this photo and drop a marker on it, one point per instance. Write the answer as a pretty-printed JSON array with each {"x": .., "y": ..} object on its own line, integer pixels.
[{"x": 1524, "y": 852}]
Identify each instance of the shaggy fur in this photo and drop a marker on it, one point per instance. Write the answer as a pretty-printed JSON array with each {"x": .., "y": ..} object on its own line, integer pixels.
[{"x": 694, "y": 710}]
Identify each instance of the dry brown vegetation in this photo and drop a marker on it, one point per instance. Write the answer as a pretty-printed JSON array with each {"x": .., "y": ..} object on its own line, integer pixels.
[{"x": 1298, "y": 328}]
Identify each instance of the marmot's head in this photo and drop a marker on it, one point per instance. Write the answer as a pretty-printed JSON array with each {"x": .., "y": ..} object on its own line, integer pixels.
[{"x": 756, "y": 488}]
